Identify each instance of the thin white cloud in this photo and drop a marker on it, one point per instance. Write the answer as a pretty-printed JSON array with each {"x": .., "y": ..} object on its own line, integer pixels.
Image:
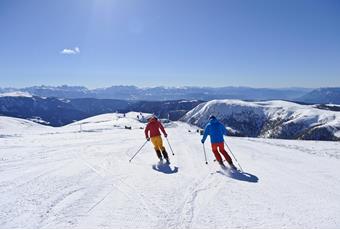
[{"x": 66, "y": 51}]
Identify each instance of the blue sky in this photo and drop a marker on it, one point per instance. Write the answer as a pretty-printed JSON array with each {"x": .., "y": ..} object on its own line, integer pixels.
[{"x": 98, "y": 43}]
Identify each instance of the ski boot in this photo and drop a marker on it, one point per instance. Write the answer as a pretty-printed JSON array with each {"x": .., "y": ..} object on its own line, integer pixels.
[
  {"x": 221, "y": 164},
  {"x": 233, "y": 167}
]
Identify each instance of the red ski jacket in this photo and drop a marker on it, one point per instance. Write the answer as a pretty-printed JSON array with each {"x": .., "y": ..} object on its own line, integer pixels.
[{"x": 153, "y": 127}]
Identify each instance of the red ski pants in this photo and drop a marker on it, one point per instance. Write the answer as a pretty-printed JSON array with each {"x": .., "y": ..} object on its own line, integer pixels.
[{"x": 219, "y": 147}]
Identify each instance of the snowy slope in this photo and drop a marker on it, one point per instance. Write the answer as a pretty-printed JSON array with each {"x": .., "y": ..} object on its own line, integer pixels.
[
  {"x": 273, "y": 119},
  {"x": 17, "y": 126},
  {"x": 64, "y": 178}
]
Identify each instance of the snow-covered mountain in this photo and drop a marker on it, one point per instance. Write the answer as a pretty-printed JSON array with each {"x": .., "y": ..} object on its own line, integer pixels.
[
  {"x": 271, "y": 119},
  {"x": 59, "y": 112},
  {"x": 51, "y": 111},
  {"x": 15, "y": 94},
  {"x": 322, "y": 96},
  {"x": 79, "y": 176},
  {"x": 63, "y": 91}
]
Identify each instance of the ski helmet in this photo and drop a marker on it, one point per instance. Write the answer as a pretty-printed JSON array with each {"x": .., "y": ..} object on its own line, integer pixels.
[{"x": 150, "y": 117}]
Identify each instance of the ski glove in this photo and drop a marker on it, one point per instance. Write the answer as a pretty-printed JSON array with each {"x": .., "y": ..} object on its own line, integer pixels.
[
  {"x": 202, "y": 141},
  {"x": 165, "y": 135},
  {"x": 148, "y": 138}
]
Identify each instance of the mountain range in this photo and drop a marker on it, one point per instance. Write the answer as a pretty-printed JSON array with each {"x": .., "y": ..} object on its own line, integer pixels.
[
  {"x": 59, "y": 112},
  {"x": 164, "y": 93},
  {"x": 59, "y": 106},
  {"x": 322, "y": 96}
]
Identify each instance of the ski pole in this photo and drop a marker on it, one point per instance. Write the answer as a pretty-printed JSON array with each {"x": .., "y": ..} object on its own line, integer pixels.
[
  {"x": 233, "y": 155},
  {"x": 170, "y": 146},
  {"x": 205, "y": 154},
  {"x": 138, "y": 151}
]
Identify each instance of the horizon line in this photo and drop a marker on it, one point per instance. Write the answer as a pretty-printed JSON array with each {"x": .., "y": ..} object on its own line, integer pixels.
[{"x": 162, "y": 86}]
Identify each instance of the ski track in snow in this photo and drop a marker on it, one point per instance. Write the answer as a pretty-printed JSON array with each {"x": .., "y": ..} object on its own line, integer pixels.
[{"x": 63, "y": 178}]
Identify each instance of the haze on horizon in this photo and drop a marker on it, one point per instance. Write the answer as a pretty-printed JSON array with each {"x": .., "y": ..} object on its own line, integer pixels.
[
  {"x": 156, "y": 86},
  {"x": 147, "y": 43}
]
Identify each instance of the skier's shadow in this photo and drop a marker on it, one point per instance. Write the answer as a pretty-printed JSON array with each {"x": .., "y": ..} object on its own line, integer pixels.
[
  {"x": 165, "y": 168},
  {"x": 242, "y": 176}
]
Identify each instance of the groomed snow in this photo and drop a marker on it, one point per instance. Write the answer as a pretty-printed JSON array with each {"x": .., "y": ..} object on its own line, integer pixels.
[{"x": 64, "y": 178}]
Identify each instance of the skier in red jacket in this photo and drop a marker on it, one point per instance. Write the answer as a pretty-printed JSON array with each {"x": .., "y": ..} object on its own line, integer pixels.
[{"x": 153, "y": 127}]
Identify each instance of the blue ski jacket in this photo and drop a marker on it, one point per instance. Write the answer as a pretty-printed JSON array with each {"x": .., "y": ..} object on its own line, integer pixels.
[{"x": 215, "y": 130}]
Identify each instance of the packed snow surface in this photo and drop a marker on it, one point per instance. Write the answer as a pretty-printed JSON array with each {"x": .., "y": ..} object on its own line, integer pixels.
[{"x": 79, "y": 176}]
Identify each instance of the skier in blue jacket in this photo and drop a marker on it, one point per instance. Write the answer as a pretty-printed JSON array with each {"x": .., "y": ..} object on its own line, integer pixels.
[{"x": 216, "y": 130}]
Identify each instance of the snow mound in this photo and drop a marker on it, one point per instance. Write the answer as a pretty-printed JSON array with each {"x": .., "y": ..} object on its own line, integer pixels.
[
  {"x": 11, "y": 124},
  {"x": 131, "y": 120}
]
